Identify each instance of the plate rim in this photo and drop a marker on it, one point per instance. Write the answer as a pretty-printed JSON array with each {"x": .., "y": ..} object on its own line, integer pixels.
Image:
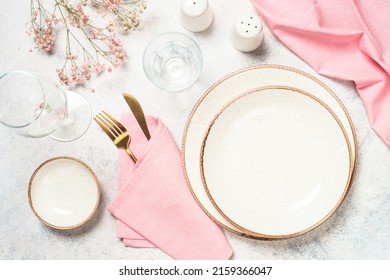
[
  {"x": 30, "y": 184},
  {"x": 210, "y": 196},
  {"x": 229, "y": 76}
]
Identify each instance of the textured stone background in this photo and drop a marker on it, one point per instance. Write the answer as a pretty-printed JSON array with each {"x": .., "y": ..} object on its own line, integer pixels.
[{"x": 360, "y": 228}]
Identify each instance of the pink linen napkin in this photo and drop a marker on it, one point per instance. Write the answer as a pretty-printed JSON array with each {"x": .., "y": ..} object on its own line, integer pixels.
[
  {"x": 154, "y": 204},
  {"x": 126, "y": 167},
  {"x": 348, "y": 40}
]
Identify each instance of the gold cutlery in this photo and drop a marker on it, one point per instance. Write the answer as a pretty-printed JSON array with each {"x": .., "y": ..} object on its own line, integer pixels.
[
  {"x": 116, "y": 131},
  {"x": 136, "y": 108}
]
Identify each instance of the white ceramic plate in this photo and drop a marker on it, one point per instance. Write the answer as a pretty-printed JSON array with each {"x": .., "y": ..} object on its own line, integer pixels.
[
  {"x": 64, "y": 192},
  {"x": 230, "y": 87},
  {"x": 275, "y": 162}
]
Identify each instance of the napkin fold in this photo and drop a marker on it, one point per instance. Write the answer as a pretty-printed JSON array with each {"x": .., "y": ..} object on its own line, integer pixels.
[
  {"x": 348, "y": 40},
  {"x": 154, "y": 205},
  {"x": 126, "y": 167}
]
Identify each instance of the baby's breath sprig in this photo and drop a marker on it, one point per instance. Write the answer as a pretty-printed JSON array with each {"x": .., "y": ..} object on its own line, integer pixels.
[{"x": 99, "y": 49}]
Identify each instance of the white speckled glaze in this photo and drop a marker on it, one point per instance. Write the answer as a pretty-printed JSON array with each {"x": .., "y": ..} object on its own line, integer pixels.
[
  {"x": 229, "y": 88},
  {"x": 275, "y": 162},
  {"x": 64, "y": 193}
]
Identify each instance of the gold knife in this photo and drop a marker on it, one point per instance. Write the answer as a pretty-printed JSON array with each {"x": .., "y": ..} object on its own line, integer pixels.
[{"x": 136, "y": 108}]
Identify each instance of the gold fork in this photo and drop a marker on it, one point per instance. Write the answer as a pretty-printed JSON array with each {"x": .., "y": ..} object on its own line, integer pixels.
[{"x": 116, "y": 131}]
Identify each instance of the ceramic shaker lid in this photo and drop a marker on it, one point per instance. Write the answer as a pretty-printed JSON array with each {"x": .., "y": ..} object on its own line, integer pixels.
[
  {"x": 196, "y": 15},
  {"x": 247, "y": 33}
]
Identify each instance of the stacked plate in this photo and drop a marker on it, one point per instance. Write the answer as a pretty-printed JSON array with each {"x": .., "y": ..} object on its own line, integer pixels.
[{"x": 269, "y": 152}]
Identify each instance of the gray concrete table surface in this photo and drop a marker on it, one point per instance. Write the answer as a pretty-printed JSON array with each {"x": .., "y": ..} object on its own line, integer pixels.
[{"x": 359, "y": 229}]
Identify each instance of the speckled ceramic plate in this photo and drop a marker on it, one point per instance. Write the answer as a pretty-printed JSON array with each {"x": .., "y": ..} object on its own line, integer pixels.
[
  {"x": 64, "y": 192},
  {"x": 229, "y": 88},
  {"x": 276, "y": 162}
]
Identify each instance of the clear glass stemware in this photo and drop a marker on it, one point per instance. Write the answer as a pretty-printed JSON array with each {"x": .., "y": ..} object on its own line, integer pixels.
[{"x": 35, "y": 106}]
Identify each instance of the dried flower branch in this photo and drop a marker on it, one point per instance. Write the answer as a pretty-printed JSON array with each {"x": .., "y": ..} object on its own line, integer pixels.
[
  {"x": 126, "y": 12},
  {"x": 99, "y": 49}
]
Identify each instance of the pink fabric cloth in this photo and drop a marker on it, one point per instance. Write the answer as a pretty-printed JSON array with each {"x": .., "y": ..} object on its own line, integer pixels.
[
  {"x": 348, "y": 40},
  {"x": 126, "y": 167},
  {"x": 154, "y": 204}
]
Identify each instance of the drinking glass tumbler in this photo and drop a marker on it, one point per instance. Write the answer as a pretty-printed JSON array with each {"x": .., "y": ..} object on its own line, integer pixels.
[{"x": 172, "y": 61}]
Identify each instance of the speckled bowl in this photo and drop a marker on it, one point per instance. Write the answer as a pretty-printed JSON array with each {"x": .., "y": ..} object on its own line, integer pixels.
[{"x": 64, "y": 192}]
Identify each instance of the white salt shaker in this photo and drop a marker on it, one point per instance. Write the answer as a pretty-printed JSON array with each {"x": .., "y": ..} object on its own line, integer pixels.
[
  {"x": 247, "y": 33},
  {"x": 196, "y": 15}
]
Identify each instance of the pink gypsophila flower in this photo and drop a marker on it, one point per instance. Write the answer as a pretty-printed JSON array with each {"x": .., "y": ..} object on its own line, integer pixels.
[
  {"x": 112, "y": 4},
  {"x": 44, "y": 39}
]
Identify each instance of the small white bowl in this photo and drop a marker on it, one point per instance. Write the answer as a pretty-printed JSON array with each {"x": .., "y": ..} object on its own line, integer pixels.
[{"x": 64, "y": 192}]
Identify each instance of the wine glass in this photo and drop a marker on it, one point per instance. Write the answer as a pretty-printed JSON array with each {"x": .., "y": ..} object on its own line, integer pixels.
[{"x": 35, "y": 106}]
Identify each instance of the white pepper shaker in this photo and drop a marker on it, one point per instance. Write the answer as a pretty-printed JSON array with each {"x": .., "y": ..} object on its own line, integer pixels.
[
  {"x": 247, "y": 33},
  {"x": 196, "y": 15}
]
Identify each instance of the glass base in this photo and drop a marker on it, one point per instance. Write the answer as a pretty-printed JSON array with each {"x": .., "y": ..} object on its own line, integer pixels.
[{"x": 77, "y": 121}]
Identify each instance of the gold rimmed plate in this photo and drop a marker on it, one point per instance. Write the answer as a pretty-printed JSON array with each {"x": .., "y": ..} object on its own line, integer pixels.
[
  {"x": 276, "y": 162},
  {"x": 64, "y": 192},
  {"x": 229, "y": 88}
]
